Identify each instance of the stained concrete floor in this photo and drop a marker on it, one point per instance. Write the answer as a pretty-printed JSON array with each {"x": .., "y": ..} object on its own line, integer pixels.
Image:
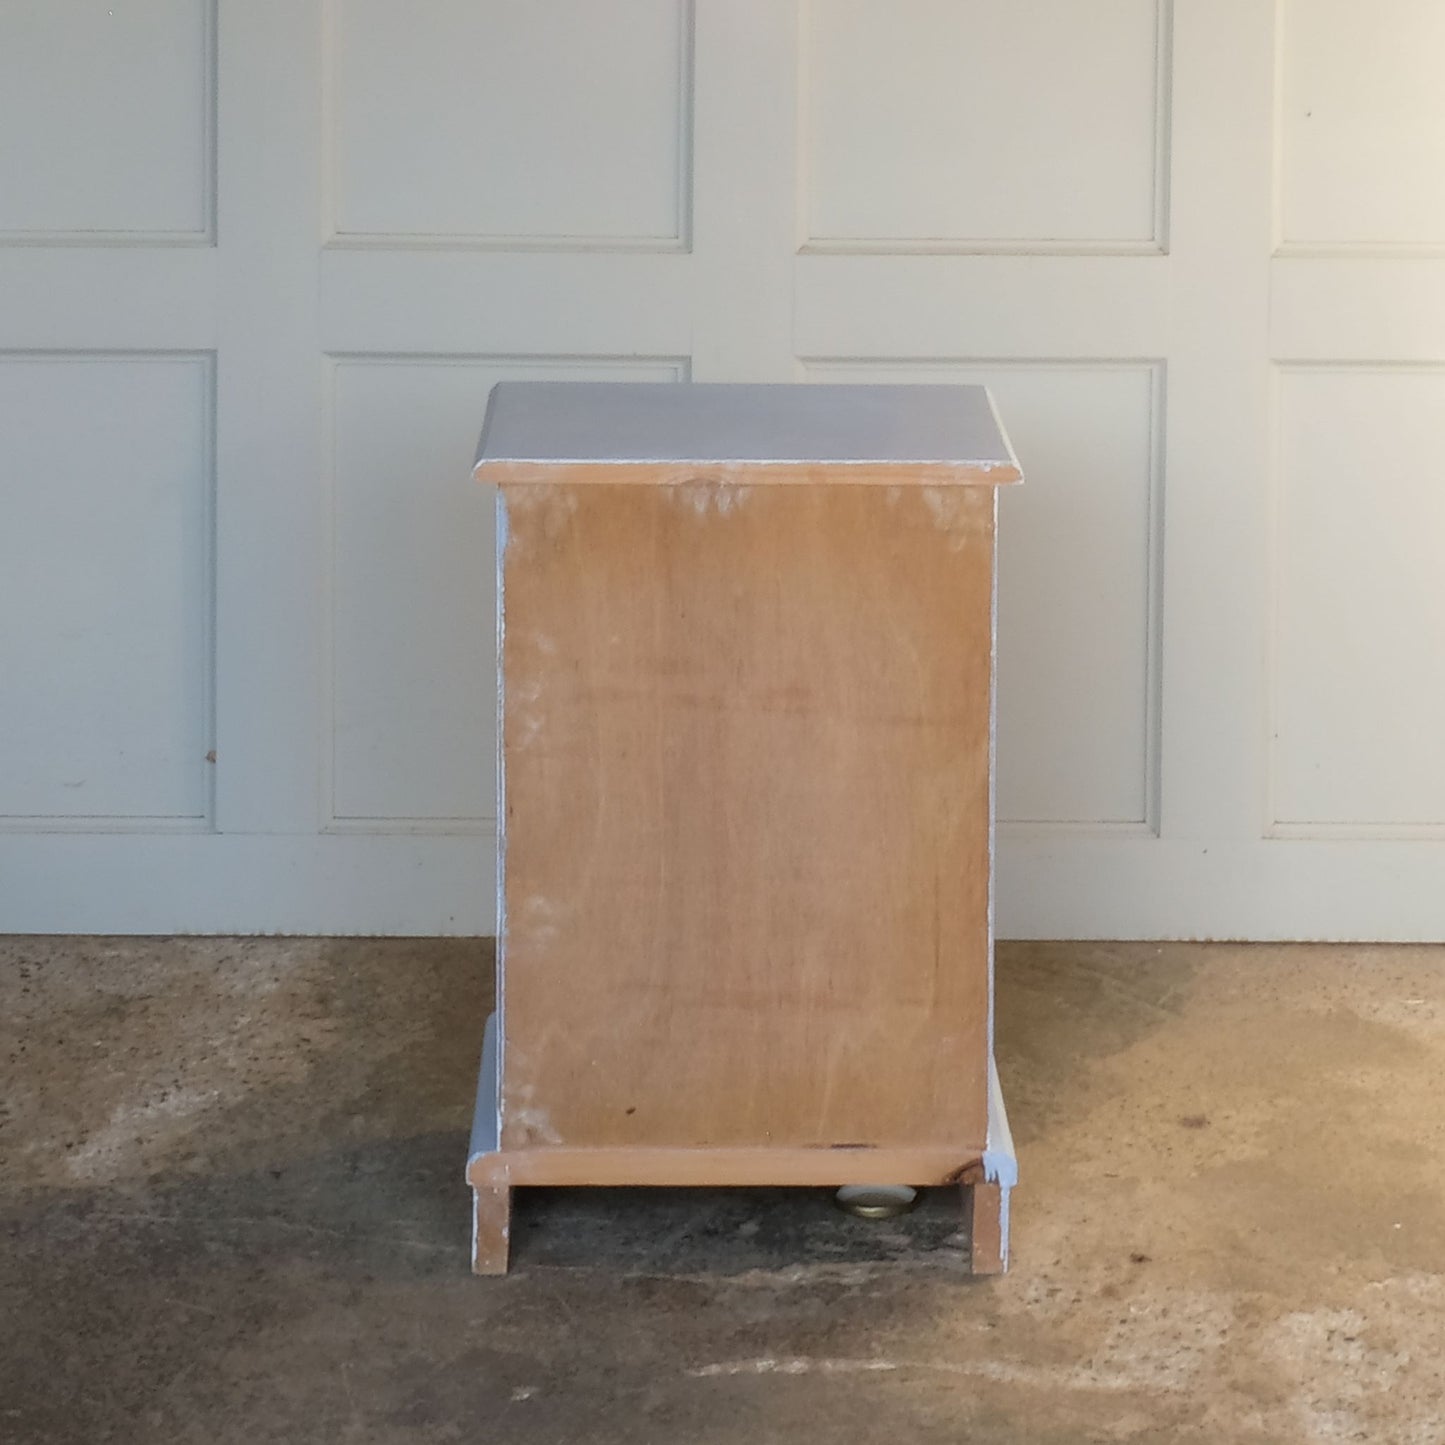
[{"x": 231, "y": 1211}]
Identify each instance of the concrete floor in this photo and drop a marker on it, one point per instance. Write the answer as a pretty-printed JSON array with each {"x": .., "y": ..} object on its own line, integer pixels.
[{"x": 232, "y": 1211}]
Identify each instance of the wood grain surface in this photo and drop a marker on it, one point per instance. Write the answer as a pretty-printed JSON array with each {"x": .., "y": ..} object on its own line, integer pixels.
[{"x": 746, "y": 827}]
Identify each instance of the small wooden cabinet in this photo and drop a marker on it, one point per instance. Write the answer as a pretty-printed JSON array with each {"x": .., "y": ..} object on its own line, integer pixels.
[{"x": 745, "y": 816}]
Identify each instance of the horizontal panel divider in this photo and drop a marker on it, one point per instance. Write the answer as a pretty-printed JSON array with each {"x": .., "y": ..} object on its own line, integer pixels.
[
  {"x": 964, "y": 306},
  {"x": 1331, "y": 309},
  {"x": 506, "y": 303},
  {"x": 108, "y": 298}
]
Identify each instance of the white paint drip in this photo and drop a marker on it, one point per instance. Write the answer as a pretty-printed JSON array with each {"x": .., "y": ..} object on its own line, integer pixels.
[
  {"x": 530, "y": 1120},
  {"x": 707, "y": 497},
  {"x": 539, "y": 919},
  {"x": 534, "y": 1124},
  {"x": 946, "y": 505},
  {"x": 523, "y": 701}
]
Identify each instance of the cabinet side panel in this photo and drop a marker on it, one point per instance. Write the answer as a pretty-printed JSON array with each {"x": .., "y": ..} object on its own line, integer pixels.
[{"x": 745, "y": 743}]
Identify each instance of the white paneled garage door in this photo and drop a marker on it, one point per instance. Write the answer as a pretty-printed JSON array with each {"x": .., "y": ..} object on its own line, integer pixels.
[{"x": 261, "y": 260}]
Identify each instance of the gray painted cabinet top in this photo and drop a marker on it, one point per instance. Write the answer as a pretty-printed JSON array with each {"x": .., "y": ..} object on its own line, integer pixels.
[{"x": 662, "y": 425}]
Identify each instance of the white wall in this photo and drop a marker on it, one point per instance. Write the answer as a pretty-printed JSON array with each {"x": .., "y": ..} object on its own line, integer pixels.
[{"x": 261, "y": 260}]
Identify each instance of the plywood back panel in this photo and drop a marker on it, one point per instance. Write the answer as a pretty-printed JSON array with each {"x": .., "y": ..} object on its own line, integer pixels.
[{"x": 745, "y": 744}]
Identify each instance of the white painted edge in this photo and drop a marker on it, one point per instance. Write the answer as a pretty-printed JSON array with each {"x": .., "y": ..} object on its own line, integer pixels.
[
  {"x": 992, "y": 756},
  {"x": 503, "y": 537},
  {"x": 486, "y": 1122},
  {"x": 1008, "y": 446},
  {"x": 1000, "y": 1163},
  {"x": 487, "y": 1115},
  {"x": 486, "y": 1133},
  {"x": 977, "y": 464},
  {"x": 983, "y": 466}
]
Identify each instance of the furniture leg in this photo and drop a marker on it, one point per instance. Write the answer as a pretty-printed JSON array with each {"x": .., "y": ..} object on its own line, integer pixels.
[
  {"x": 491, "y": 1229},
  {"x": 984, "y": 1213}
]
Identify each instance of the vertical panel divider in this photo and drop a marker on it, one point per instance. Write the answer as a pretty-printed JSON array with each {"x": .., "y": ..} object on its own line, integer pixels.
[
  {"x": 744, "y": 189},
  {"x": 1217, "y": 438},
  {"x": 271, "y": 568}
]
